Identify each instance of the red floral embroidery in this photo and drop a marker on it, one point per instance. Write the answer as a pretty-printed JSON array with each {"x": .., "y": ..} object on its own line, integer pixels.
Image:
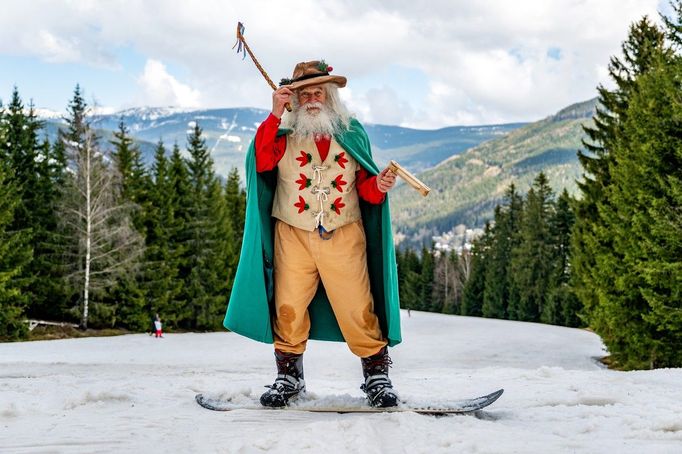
[
  {"x": 301, "y": 205},
  {"x": 304, "y": 182},
  {"x": 338, "y": 183},
  {"x": 305, "y": 158},
  {"x": 337, "y": 205},
  {"x": 341, "y": 160}
]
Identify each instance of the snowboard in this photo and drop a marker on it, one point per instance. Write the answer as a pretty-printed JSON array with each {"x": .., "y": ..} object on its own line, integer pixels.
[{"x": 310, "y": 405}]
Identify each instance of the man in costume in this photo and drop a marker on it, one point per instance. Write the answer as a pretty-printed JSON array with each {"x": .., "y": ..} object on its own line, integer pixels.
[{"x": 317, "y": 257}]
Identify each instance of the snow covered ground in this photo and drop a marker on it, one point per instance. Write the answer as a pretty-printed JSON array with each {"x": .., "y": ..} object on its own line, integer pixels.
[{"x": 136, "y": 393}]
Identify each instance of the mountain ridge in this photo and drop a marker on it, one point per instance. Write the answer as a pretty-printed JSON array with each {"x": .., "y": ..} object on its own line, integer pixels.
[
  {"x": 468, "y": 167},
  {"x": 466, "y": 187},
  {"x": 228, "y": 131}
]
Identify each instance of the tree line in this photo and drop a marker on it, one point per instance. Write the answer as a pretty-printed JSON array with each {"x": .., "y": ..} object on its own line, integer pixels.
[
  {"x": 610, "y": 258},
  {"x": 89, "y": 233},
  {"x": 518, "y": 269}
]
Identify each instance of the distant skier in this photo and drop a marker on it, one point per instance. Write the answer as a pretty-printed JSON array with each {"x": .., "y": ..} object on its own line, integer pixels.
[{"x": 158, "y": 326}]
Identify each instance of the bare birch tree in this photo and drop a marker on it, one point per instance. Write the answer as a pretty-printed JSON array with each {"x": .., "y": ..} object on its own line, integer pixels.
[
  {"x": 446, "y": 284},
  {"x": 464, "y": 267},
  {"x": 101, "y": 241}
]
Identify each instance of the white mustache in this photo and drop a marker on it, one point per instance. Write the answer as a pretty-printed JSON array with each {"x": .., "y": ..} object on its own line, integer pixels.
[{"x": 313, "y": 105}]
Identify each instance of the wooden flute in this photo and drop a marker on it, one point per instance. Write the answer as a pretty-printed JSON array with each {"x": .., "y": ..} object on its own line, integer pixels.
[{"x": 409, "y": 178}]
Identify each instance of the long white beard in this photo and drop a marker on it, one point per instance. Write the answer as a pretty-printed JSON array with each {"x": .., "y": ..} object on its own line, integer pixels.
[{"x": 307, "y": 123}]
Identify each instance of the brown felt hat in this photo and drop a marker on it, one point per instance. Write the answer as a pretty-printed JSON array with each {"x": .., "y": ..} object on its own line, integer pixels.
[{"x": 309, "y": 73}]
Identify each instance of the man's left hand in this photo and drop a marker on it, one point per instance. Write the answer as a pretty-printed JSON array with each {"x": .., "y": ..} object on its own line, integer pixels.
[{"x": 386, "y": 180}]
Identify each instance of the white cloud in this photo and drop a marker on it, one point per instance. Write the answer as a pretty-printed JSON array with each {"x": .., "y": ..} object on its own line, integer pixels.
[
  {"x": 162, "y": 89},
  {"x": 487, "y": 61},
  {"x": 56, "y": 49},
  {"x": 379, "y": 105}
]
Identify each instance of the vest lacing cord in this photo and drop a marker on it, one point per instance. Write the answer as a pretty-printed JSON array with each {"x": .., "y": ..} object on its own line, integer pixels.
[
  {"x": 318, "y": 218},
  {"x": 317, "y": 172},
  {"x": 322, "y": 195}
]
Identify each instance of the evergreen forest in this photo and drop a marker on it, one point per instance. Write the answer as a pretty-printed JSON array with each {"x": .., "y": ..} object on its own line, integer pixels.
[{"x": 91, "y": 235}]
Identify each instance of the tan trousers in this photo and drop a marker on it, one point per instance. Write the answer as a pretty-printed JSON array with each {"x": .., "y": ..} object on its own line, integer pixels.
[{"x": 302, "y": 258}]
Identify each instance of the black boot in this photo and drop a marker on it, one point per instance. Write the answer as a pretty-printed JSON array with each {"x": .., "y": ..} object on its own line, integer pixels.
[
  {"x": 289, "y": 382},
  {"x": 377, "y": 386}
]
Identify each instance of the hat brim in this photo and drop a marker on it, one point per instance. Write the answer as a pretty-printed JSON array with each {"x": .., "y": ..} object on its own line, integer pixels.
[{"x": 338, "y": 80}]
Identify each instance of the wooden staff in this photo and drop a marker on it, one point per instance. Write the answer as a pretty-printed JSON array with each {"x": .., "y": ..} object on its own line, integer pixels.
[
  {"x": 409, "y": 178},
  {"x": 243, "y": 47}
]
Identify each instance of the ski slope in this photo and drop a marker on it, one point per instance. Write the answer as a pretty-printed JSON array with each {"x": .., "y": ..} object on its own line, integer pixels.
[{"x": 136, "y": 393}]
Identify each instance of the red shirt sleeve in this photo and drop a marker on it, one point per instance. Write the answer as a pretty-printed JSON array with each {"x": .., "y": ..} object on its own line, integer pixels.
[
  {"x": 269, "y": 147},
  {"x": 367, "y": 187}
]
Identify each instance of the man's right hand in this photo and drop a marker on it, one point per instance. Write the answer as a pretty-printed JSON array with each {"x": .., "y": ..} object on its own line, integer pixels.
[{"x": 280, "y": 98}]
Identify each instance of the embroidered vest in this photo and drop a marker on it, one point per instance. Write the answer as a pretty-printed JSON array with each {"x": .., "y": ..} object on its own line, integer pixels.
[{"x": 311, "y": 192}]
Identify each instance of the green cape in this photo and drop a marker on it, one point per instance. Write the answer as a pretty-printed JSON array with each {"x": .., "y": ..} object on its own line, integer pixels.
[{"x": 251, "y": 305}]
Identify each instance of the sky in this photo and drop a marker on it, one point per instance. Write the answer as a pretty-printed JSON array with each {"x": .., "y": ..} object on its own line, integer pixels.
[{"x": 453, "y": 62}]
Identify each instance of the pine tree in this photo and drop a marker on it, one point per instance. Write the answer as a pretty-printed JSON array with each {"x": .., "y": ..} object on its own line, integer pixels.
[
  {"x": 411, "y": 290},
  {"x": 14, "y": 254},
  {"x": 178, "y": 311},
  {"x": 197, "y": 274},
  {"x": 235, "y": 197},
  {"x": 496, "y": 285},
  {"x": 409, "y": 283},
  {"x": 128, "y": 296},
  {"x": 49, "y": 293},
  {"x": 222, "y": 254},
  {"x": 673, "y": 26},
  {"x": 591, "y": 240},
  {"x": 474, "y": 288},
  {"x": 210, "y": 235},
  {"x": 498, "y": 291},
  {"x": 37, "y": 174},
  {"x": 531, "y": 261},
  {"x": 400, "y": 272},
  {"x": 562, "y": 305},
  {"x": 133, "y": 181},
  {"x": 440, "y": 285},
  {"x": 19, "y": 150},
  {"x": 235, "y": 200},
  {"x": 643, "y": 217},
  {"x": 425, "y": 300},
  {"x": 604, "y": 274},
  {"x": 161, "y": 262}
]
